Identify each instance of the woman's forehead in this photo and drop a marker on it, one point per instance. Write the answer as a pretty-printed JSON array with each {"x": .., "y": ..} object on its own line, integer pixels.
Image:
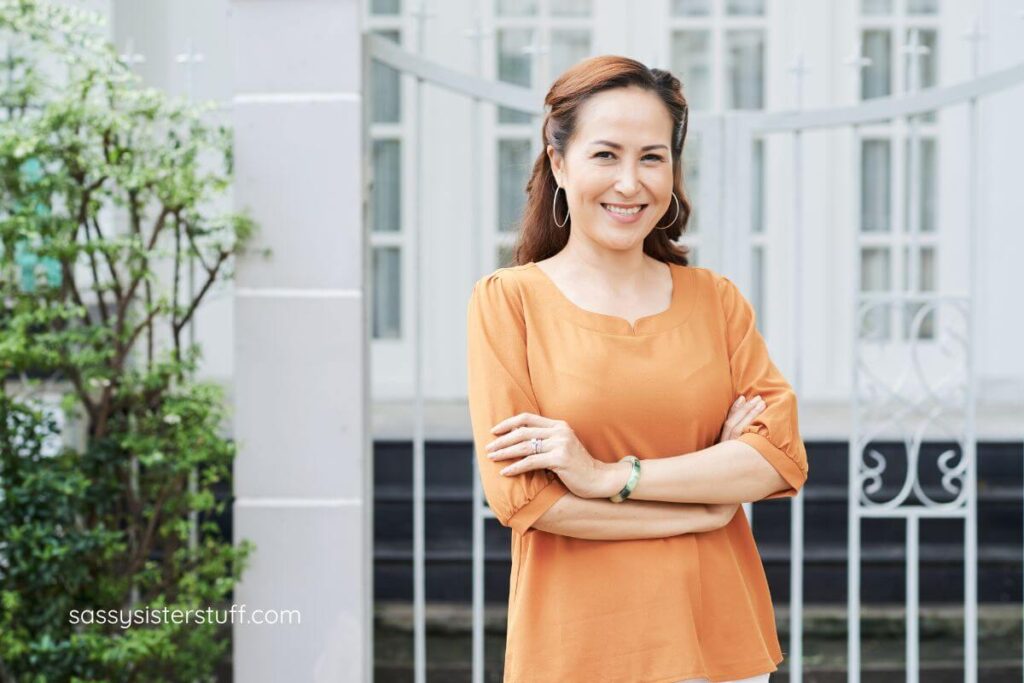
[{"x": 622, "y": 116}]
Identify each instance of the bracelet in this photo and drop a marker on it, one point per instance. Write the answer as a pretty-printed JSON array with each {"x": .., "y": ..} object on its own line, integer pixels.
[{"x": 634, "y": 477}]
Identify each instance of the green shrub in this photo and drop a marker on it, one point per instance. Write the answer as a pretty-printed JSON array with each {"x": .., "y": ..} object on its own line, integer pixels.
[{"x": 102, "y": 183}]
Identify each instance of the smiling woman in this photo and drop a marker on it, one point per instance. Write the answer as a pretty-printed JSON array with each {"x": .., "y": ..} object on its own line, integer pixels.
[{"x": 603, "y": 343}]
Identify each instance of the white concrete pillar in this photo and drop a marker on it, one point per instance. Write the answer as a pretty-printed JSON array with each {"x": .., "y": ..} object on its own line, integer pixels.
[{"x": 300, "y": 389}]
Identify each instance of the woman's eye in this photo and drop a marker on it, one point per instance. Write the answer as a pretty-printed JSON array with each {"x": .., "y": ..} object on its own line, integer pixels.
[{"x": 651, "y": 156}]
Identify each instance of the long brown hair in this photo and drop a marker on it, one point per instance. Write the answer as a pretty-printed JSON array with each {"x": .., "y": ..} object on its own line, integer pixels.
[{"x": 539, "y": 236}]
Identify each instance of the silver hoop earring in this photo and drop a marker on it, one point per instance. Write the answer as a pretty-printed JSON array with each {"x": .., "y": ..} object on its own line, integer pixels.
[
  {"x": 553, "y": 214},
  {"x": 674, "y": 218}
]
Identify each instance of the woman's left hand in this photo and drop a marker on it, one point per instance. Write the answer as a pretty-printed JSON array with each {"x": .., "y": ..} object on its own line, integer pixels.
[{"x": 559, "y": 451}]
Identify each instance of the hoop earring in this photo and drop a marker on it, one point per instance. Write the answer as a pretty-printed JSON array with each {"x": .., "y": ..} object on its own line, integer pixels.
[
  {"x": 554, "y": 201},
  {"x": 674, "y": 218}
]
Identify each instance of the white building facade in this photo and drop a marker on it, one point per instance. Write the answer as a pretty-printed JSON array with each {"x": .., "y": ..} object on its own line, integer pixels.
[{"x": 448, "y": 179}]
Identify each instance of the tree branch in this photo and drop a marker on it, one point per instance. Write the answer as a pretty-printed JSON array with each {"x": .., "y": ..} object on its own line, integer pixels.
[
  {"x": 211, "y": 278},
  {"x": 97, "y": 286},
  {"x": 110, "y": 262}
]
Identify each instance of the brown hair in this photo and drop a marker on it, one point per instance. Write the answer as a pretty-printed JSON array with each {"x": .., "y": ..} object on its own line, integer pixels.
[{"x": 539, "y": 236}]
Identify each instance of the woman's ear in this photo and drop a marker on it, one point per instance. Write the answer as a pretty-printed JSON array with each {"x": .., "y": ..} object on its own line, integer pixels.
[{"x": 556, "y": 164}]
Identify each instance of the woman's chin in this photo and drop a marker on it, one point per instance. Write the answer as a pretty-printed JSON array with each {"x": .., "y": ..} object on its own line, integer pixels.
[{"x": 619, "y": 238}]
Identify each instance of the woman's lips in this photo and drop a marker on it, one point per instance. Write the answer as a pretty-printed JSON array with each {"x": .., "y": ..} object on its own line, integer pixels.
[{"x": 625, "y": 219}]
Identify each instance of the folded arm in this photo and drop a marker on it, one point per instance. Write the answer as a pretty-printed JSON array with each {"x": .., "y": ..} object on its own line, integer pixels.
[
  {"x": 729, "y": 472},
  {"x": 768, "y": 459},
  {"x": 499, "y": 386},
  {"x": 600, "y": 519}
]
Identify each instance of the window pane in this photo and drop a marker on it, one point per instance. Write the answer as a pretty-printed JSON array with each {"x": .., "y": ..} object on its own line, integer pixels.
[
  {"x": 922, "y": 6},
  {"x": 757, "y": 186},
  {"x": 513, "y": 169},
  {"x": 691, "y": 8},
  {"x": 567, "y": 48},
  {"x": 744, "y": 65},
  {"x": 514, "y": 67},
  {"x": 387, "y": 90},
  {"x": 387, "y": 186},
  {"x": 757, "y": 277},
  {"x": 874, "y": 277},
  {"x": 874, "y": 270},
  {"x": 875, "y": 176},
  {"x": 925, "y": 268},
  {"x": 387, "y": 293},
  {"x": 926, "y": 186},
  {"x": 876, "y": 6},
  {"x": 517, "y": 8},
  {"x": 745, "y": 8},
  {"x": 929, "y": 276},
  {"x": 926, "y": 279},
  {"x": 927, "y": 65},
  {"x": 691, "y": 63},
  {"x": 386, "y": 6},
  {"x": 876, "y": 77},
  {"x": 570, "y": 8},
  {"x": 691, "y": 178}
]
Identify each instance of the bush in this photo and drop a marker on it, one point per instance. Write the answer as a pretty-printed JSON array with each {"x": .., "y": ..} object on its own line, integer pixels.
[{"x": 113, "y": 510}]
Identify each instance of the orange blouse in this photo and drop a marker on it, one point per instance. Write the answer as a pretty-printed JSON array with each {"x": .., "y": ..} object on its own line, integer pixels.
[{"x": 646, "y": 610}]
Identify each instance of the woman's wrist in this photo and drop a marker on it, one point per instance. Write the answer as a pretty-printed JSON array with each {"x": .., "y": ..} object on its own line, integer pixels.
[{"x": 614, "y": 477}]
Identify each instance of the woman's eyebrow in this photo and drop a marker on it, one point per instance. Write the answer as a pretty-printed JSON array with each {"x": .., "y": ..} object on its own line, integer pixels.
[{"x": 615, "y": 145}]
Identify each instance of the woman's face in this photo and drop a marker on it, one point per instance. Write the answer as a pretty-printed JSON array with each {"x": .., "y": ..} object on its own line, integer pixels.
[{"x": 619, "y": 156}]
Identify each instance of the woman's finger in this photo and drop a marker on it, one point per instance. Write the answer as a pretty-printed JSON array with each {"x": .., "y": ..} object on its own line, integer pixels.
[
  {"x": 517, "y": 435},
  {"x": 744, "y": 416},
  {"x": 533, "y": 462},
  {"x": 752, "y": 408},
  {"x": 736, "y": 414},
  {"x": 733, "y": 415},
  {"x": 518, "y": 450},
  {"x": 522, "y": 420}
]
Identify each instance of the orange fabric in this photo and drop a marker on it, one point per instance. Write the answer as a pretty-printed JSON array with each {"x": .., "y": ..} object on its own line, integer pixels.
[{"x": 646, "y": 610}]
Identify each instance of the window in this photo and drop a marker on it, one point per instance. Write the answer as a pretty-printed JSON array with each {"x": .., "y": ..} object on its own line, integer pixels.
[
  {"x": 720, "y": 57},
  {"x": 744, "y": 69},
  {"x": 875, "y": 171},
  {"x": 387, "y": 293},
  {"x": 387, "y": 185},
  {"x": 387, "y": 91},
  {"x": 387, "y": 145},
  {"x": 693, "y": 64},
  {"x": 514, "y": 66},
  {"x": 898, "y": 177},
  {"x": 876, "y": 79},
  {"x": 386, "y": 7}
]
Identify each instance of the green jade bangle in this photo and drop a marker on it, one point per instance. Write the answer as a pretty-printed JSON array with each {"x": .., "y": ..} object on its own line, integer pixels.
[{"x": 634, "y": 477}]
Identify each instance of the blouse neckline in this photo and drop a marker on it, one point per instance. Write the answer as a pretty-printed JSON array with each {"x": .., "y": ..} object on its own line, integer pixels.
[{"x": 678, "y": 310}]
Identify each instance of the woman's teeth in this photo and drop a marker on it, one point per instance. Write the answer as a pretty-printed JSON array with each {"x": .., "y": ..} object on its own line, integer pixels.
[{"x": 623, "y": 212}]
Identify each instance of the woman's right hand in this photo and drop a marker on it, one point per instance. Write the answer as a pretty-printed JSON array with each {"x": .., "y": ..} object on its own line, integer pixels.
[{"x": 741, "y": 414}]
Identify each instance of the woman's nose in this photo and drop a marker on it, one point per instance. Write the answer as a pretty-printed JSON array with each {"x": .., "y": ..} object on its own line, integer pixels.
[{"x": 627, "y": 182}]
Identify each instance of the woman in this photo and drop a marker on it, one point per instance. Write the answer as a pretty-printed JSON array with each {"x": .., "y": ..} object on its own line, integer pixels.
[{"x": 603, "y": 343}]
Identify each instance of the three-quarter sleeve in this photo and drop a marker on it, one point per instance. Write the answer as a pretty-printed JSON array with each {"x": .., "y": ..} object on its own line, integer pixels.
[
  {"x": 499, "y": 387},
  {"x": 775, "y": 432}
]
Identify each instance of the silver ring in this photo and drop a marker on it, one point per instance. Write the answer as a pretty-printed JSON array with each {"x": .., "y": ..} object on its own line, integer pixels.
[{"x": 536, "y": 445}]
